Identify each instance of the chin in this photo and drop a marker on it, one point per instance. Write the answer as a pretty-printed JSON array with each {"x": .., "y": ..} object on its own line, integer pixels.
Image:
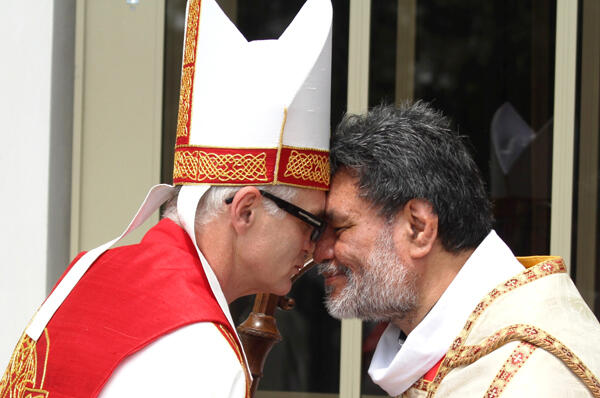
[
  {"x": 332, "y": 293},
  {"x": 335, "y": 288},
  {"x": 282, "y": 289}
]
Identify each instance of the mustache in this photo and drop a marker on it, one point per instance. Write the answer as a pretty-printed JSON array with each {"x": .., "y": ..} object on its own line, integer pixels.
[{"x": 330, "y": 268}]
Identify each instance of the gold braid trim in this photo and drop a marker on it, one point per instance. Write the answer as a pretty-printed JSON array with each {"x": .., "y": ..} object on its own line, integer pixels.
[
  {"x": 511, "y": 366},
  {"x": 21, "y": 371},
  {"x": 551, "y": 266},
  {"x": 308, "y": 167},
  {"x": 238, "y": 353},
  {"x": 20, "y": 378},
  {"x": 466, "y": 355},
  {"x": 187, "y": 74},
  {"x": 185, "y": 101},
  {"x": 201, "y": 166},
  {"x": 421, "y": 384}
]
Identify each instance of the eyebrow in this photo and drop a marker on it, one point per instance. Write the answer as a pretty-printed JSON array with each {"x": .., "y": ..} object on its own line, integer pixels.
[
  {"x": 320, "y": 213},
  {"x": 315, "y": 212},
  {"x": 337, "y": 218}
]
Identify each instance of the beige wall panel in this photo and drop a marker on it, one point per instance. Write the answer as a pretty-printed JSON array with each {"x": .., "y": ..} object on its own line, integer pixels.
[
  {"x": 118, "y": 116},
  {"x": 358, "y": 102},
  {"x": 564, "y": 130}
]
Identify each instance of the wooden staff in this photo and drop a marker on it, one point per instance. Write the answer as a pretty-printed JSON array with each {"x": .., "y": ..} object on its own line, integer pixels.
[{"x": 259, "y": 332}]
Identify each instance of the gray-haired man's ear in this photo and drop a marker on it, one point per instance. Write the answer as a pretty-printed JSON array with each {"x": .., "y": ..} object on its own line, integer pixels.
[{"x": 242, "y": 210}]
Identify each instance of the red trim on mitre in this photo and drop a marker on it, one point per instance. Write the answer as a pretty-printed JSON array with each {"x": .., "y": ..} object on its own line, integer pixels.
[
  {"x": 304, "y": 167},
  {"x": 224, "y": 166}
]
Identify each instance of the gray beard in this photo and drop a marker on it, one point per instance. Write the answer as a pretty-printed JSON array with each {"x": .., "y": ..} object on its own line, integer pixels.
[{"x": 384, "y": 289}]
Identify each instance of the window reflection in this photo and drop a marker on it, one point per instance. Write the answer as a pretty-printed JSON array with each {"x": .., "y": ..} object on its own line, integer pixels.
[{"x": 489, "y": 66}]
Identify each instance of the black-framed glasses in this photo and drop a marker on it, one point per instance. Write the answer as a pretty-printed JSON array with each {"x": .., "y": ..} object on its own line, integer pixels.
[{"x": 317, "y": 223}]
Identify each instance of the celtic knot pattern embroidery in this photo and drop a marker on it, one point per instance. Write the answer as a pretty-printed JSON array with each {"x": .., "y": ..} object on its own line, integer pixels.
[
  {"x": 191, "y": 32},
  {"x": 20, "y": 377},
  {"x": 187, "y": 76},
  {"x": 308, "y": 167},
  {"x": 185, "y": 102},
  {"x": 201, "y": 166}
]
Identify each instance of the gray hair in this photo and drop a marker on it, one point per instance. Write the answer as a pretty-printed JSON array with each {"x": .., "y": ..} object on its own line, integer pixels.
[
  {"x": 213, "y": 202},
  {"x": 408, "y": 152}
]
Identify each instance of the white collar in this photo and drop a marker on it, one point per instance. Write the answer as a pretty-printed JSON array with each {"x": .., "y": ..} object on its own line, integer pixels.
[{"x": 396, "y": 366}]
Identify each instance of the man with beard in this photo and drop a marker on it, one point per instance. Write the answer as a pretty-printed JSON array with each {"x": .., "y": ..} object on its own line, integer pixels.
[{"x": 410, "y": 242}]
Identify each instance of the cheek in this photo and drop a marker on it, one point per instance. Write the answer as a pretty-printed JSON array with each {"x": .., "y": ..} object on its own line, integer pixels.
[
  {"x": 302, "y": 231},
  {"x": 352, "y": 253},
  {"x": 349, "y": 243},
  {"x": 287, "y": 242},
  {"x": 346, "y": 253}
]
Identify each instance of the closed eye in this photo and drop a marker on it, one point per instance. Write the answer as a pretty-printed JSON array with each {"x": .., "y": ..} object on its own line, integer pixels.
[{"x": 339, "y": 230}]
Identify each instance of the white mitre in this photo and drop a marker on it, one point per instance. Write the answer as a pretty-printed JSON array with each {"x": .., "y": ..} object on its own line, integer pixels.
[{"x": 250, "y": 113}]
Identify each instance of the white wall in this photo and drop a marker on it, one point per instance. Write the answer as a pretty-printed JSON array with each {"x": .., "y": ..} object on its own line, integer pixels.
[{"x": 35, "y": 119}]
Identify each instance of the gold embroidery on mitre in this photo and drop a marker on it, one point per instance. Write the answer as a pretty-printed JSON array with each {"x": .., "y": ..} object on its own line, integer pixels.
[
  {"x": 185, "y": 101},
  {"x": 20, "y": 377},
  {"x": 202, "y": 166},
  {"x": 308, "y": 167},
  {"x": 190, "y": 34},
  {"x": 280, "y": 143},
  {"x": 187, "y": 74}
]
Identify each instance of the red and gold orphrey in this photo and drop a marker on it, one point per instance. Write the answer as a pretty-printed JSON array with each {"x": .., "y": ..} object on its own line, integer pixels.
[
  {"x": 227, "y": 166},
  {"x": 529, "y": 339},
  {"x": 236, "y": 166}
]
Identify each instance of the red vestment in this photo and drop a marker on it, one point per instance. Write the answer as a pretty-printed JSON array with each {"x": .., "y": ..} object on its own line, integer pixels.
[{"x": 131, "y": 296}]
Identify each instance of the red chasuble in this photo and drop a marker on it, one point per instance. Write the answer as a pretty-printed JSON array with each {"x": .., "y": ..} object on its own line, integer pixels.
[{"x": 131, "y": 296}]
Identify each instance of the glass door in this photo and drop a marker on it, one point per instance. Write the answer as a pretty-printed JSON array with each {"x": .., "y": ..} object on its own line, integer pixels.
[{"x": 489, "y": 66}]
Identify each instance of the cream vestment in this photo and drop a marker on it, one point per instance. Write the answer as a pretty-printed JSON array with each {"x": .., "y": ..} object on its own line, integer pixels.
[{"x": 530, "y": 335}]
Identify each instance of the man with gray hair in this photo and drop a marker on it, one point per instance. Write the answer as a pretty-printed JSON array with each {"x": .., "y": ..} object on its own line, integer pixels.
[
  {"x": 250, "y": 173},
  {"x": 271, "y": 255},
  {"x": 410, "y": 242}
]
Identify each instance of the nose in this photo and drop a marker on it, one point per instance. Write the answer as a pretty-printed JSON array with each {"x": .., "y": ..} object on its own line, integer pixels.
[
  {"x": 309, "y": 245},
  {"x": 324, "y": 247}
]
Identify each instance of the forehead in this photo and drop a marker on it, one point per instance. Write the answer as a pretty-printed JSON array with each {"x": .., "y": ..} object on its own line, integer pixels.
[
  {"x": 344, "y": 200},
  {"x": 311, "y": 200}
]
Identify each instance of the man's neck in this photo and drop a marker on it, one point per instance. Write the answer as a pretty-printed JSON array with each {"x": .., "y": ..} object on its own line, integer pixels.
[
  {"x": 437, "y": 270},
  {"x": 215, "y": 244}
]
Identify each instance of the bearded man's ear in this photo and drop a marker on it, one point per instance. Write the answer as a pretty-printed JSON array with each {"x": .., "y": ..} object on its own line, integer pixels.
[{"x": 422, "y": 224}]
